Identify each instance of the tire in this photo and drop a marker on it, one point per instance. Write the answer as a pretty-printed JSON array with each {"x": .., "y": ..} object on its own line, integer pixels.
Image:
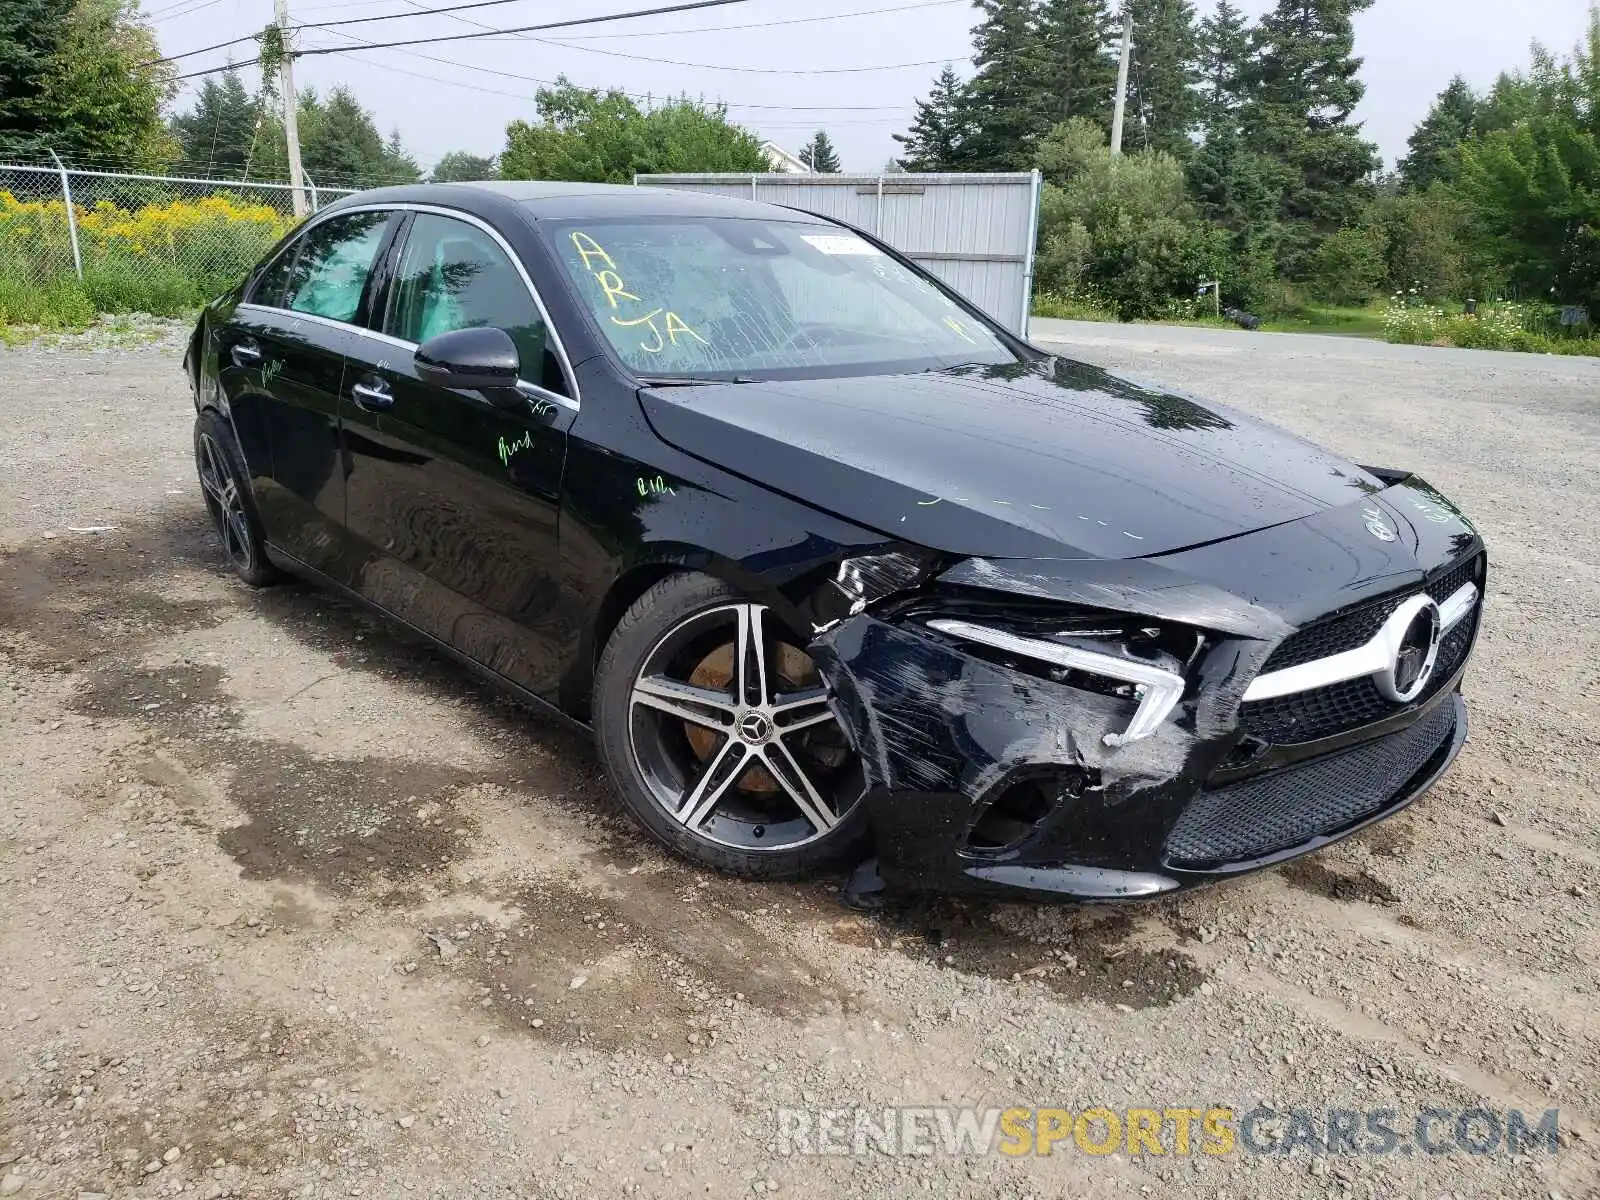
[
  {"x": 225, "y": 484},
  {"x": 767, "y": 787}
]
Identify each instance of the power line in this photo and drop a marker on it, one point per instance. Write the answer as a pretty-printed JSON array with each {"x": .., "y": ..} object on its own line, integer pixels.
[
  {"x": 692, "y": 65},
  {"x": 870, "y": 12},
  {"x": 450, "y": 62},
  {"x": 686, "y": 6}
]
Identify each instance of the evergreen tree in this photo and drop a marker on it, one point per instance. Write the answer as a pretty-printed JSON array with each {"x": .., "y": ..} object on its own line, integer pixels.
[
  {"x": 1436, "y": 144},
  {"x": 461, "y": 167},
  {"x": 937, "y": 138},
  {"x": 819, "y": 154},
  {"x": 1003, "y": 107},
  {"x": 219, "y": 132},
  {"x": 31, "y": 33},
  {"x": 1301, "y": 85},
  {"x": 1076, "y": 71},
  {"x": 1224, "y": 51},
  {"x": 104, "y": 94},
  {"x": 398, "y": 165},
  {"x": 1163, "y": 106}
]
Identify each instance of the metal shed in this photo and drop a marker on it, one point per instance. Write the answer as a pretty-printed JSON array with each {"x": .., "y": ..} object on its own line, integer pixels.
[{"x": 976, "y": 232}]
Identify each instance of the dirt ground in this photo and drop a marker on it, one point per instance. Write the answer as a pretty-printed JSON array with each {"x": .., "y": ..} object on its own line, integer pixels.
[{"x": 289, "y": 906}]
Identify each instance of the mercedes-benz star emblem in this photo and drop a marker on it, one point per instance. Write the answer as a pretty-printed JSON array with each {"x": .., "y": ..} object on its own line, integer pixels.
[
  {"x": 754, "y": 728},
  {"x": 1414, "y": 633},
  {"x": 1376, "y": 525}
]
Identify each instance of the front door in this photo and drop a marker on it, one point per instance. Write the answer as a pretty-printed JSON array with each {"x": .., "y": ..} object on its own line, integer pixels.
[
  {"x": 283, "y": 357},
  {"x": 454, "y": 496}
]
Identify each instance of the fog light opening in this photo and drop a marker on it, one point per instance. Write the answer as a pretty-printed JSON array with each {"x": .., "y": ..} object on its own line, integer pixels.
[{"x": 1015, "y": 812}]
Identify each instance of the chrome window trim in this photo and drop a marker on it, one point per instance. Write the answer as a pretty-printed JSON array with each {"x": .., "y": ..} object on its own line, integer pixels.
[
  {"x": 1162, "y": 689},
  {"x": 573, "y": 401},
  {"x": 1375, "y": 656}
]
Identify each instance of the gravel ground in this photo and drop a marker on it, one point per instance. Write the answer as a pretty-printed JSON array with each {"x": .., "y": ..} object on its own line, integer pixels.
[{"x": 291, "y": 907}]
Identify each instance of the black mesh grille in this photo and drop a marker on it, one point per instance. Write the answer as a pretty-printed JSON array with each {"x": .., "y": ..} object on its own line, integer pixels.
[
  {"x": 1323, "y": 712},
  {"x": 1355, "y": 628},
  {"x": 1275, "y": 812}
]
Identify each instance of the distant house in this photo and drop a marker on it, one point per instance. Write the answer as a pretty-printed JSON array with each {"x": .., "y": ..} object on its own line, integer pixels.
[{"x": 782, "y": 161}]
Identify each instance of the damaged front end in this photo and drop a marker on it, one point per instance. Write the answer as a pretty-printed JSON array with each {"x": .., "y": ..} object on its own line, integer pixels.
[{"x": 1077, "y": 742}]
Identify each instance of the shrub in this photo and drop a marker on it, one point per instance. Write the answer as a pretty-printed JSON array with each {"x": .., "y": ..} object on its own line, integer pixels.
[
  {"x": 163, "y": 257},
  {"x": 56, "y": 304},
  {"x": 1348, "y": 268}
]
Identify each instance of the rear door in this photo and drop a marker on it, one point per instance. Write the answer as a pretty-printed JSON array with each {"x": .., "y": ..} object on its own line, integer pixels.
[
  {"x": 453, "y": 496},
  {"x": 282, "y": 362}
]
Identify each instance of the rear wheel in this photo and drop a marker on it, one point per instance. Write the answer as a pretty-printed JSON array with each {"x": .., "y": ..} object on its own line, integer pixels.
[
  {"x": 228, "y": 498},
  {"x": 721, "y": 736}
]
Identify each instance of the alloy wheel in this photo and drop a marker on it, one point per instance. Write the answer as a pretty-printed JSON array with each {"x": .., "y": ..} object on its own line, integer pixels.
[
  {"x": 224, "y": 499},
  {"x": 735, "y": 736}
]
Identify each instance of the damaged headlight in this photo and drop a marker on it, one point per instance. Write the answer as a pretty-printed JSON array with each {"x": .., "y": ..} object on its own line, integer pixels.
[
  {"x": 1152, "y": 679},
  {"x": 864, "y": 580}
]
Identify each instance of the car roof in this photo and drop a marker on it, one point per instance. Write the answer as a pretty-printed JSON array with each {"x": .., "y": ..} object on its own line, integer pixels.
[{"x": 542, "y": 199}]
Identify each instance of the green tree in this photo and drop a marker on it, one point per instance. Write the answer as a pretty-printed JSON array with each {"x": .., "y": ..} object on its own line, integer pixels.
[
  {"x": 938, "y": 135},
  {"x": 1436, "y": 144},
  {"x": 398, "y": 164},
  {"x": 219, "y": 132},
  {"x": 461, "y": 167},
  {"x": 1534, "y": 186},
  {"x": 1163, "y": 106},
  {"x": 1428, "y": 243},
  {"x": 31, "y": 34},
  {"x": 1003, "y": 105},
  {"x": 1120, "y": 232},
  {"x": 1301, "y": 85},
  {"x": 603, "y": 137},
  {"x": 1224, "y": 48},
  {"x": 88, "y": 87},
  {"x": 1348, "y": 267},
  {"x": 819, "y": 154},
  {"x": 1076, "y": 73}
]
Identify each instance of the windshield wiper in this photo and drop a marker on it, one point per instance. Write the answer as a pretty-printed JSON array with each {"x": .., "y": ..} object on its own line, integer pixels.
[{"x": 688, "y": 380}]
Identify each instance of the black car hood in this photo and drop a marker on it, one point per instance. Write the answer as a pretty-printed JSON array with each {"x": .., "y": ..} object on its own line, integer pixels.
[{"x": 1036, "y": 460}]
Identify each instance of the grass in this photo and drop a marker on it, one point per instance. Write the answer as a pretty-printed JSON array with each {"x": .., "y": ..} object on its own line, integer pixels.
[{"x": 1302, "y": 318}]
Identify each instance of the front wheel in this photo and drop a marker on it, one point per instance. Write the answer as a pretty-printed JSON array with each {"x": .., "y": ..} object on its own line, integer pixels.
[
  {"x": 226, "y": 487},
  {"x": 721, "y": 736}
]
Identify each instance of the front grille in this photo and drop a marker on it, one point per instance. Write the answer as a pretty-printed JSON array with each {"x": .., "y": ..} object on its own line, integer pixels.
[
  {"x": 1339, "y": 707},
  {"x": 1357, "y": 627},
  {"x": 1246, "y": 821}
]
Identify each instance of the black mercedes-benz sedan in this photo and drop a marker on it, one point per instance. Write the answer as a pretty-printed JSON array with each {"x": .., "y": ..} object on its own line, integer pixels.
[{"x": 831, "y": 563}]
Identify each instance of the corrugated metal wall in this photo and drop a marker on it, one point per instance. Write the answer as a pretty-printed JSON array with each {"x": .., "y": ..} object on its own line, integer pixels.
[{"x": 976, "y": 232}]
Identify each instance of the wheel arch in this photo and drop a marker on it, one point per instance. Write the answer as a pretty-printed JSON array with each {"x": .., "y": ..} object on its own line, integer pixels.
[{"x": 624, "y": 591}]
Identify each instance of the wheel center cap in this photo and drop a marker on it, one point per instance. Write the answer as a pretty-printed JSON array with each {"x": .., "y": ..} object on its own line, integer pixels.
[{"x": 754, "y": 728}]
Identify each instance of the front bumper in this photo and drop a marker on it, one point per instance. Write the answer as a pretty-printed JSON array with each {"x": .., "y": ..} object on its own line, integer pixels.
[{"x": 986, "y": 780}]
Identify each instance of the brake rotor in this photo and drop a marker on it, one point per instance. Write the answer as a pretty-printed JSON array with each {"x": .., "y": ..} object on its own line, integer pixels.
[{"x": 795, "y": 672}]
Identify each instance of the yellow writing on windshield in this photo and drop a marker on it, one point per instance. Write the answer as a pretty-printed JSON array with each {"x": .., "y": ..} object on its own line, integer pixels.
[
  {"x": 611, "y": 284},
  {"x": 649, "y": 321},
  {"x": 957, "y": 328},
  {"x": 613, "y": 289},
  {"x": 677, "y": 325},
  {"x": 589, "y": 248}
]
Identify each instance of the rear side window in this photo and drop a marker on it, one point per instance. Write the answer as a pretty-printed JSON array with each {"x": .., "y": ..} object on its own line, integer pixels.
[
  {"x": 269, "y": 287},
  {"x": 330, "y": 270},
  {"x": 453, "y": 275}
]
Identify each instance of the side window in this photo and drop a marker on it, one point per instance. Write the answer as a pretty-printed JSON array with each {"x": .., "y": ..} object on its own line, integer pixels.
[
  {"x": 331, "y": 269},
  {"x": 453, "y": 275},
  {"x": 269, "y": 287}
]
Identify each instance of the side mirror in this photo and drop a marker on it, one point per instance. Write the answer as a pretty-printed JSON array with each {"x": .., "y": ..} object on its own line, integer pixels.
[{"x": 476, "y": 358}]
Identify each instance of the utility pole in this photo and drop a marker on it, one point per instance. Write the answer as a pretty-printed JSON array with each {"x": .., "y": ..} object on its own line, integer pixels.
[
  {"x": 1122, "y": 80},
  {"x": 291, "y": 110}
]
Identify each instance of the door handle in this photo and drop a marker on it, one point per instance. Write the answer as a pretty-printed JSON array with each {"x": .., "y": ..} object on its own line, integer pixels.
[
  {"x": 372, "y": 397},
  {"x": 245, "y": 354}
]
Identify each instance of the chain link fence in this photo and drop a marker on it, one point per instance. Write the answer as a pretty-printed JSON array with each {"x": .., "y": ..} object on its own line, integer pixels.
[{"x": 76, "y": 242}]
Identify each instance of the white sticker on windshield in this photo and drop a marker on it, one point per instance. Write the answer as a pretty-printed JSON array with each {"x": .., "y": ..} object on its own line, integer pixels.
[{"x": 840, "y": 243}]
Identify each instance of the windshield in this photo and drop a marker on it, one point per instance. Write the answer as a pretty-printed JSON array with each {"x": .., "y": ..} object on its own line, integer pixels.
[{"x": 720, "y": 298}]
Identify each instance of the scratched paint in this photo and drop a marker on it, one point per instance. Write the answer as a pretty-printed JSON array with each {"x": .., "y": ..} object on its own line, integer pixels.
[{"x": 657, "y": 486}]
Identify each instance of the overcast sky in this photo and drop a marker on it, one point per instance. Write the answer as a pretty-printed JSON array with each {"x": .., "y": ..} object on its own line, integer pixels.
[{"x": 1411, "y": 47}]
